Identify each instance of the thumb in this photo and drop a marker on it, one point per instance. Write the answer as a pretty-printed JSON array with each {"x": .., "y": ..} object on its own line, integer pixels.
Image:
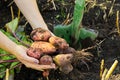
[
  {"x": 24, "y": 57},
  {"x": 29, "y": 59}
]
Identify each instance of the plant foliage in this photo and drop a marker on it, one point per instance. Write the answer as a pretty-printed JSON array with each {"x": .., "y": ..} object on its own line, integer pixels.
[{"x": 74, "y": 32}]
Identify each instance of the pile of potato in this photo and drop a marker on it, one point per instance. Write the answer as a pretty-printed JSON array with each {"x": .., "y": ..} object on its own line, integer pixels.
[{"x": 49, "y": 49}]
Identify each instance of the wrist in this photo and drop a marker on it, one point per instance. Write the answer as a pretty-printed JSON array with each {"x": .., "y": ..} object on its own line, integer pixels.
[{"x": 17, "y": 51}]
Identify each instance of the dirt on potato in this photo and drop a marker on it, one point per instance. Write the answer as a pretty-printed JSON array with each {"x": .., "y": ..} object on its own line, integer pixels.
[{"x": 97, "y": 16}]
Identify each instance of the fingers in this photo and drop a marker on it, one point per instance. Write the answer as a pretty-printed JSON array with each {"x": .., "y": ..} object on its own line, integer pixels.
[
  {"x": 22, "y": 55},
  {"x": 28, "y": 59},
  {"x": 38, "y": 67}
]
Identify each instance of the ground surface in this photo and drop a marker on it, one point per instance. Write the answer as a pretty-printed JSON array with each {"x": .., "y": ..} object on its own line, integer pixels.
[{"x": 96, "y": 17}]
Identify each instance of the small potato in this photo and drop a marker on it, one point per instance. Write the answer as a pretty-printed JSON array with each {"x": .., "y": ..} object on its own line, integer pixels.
[
  {"x": 46, "y": 60},
  {"x": 58, "y": 42},
  {"x": 40, "y": 34},
  {"x": 63, "y": 59},
  {"x": 34, "y": 52},
  {"x": 46, "y": 47}
]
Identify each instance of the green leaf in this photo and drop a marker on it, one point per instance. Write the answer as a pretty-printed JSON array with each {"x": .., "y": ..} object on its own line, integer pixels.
[
  {"x": 12, "y": 66},
  {"x": 2, "y": 69},
  {"x": 10, "y": 36},
  {"x": 68, "y": 32},
  {"x": 21, "y": 35},
  {"x": 63, "y": 31},
  {"x": 73, "y": 33},
  {"x": 77, "y": 16},
  {"x": 12, "y": 25}
]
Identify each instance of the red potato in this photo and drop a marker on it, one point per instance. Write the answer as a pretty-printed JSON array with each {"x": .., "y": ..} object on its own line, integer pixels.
[
  {"x": 46, "y": 60},
  {"x": 34, "y": 52},
  {"x": 40, "y": 34},
  {"x": 58, "y": 42},
  {"x": 46, "y": 47}
]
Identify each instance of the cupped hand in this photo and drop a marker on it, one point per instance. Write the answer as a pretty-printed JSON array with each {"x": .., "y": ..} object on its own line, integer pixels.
[{"x": 29, "y": 61}]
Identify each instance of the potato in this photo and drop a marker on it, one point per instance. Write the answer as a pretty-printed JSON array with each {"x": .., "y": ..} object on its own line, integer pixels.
[
  {"x": 46, "y": 47},
  {"x": 40, "y": 34},
  {"x": 63, "y": 59},
  {"x": 64, "y": 62},
  {"x": 67, "y": 50},
  {"x": 34, "y": 52},
  {"x": 58, "y": 42},
  {"x": 46, "y": 60}
]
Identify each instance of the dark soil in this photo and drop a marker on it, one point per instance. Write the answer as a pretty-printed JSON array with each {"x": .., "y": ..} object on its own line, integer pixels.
[{"x": 95, "y": 18}]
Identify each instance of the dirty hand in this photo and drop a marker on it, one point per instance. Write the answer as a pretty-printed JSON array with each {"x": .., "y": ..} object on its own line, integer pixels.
[{"x": 29, "y": 61}]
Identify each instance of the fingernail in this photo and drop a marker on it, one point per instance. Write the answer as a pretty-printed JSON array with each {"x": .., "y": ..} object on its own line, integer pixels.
[{"x": 36, "y": 61}]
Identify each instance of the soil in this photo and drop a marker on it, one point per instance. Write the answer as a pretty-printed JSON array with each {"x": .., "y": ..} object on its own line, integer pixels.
[{"x": 95, "y": 17}]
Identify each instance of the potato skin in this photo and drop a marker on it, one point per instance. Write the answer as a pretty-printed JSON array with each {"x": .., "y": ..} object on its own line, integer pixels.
[
  {"x": 39, "y": 34},
  {"x": 58, "y": 42},
  {"x": 46, "y": 47},
  {"x": 46, "y": 60},
  {"x": 67, "y": 50},
  {"x": 34, "y": 52}
]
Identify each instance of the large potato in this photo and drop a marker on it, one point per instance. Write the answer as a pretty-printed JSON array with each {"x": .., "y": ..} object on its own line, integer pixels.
[{"x": 46, "y": 47}]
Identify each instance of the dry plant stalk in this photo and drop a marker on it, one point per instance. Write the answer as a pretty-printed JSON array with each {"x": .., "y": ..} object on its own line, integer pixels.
[
  {"x": 117, "y": 22},
  {"x": 7, "y": 74},
  {"x": 111, "y": 9},
  {"x": 18, "y": 13},
  {"x": 111, "y": 70},
  {"x": 101, "y": 68},
  {"x": 12, "y": 13},
  {"x": 104, "y": 74}
]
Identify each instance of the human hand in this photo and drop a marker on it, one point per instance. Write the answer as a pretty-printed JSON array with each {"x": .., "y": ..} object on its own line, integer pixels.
[{"x": 31, "y": 62}]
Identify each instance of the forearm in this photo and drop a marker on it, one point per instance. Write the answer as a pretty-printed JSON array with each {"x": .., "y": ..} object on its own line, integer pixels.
[
  {"x": 7, "y": 44},
  {"x": 30, "y": 10}
]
